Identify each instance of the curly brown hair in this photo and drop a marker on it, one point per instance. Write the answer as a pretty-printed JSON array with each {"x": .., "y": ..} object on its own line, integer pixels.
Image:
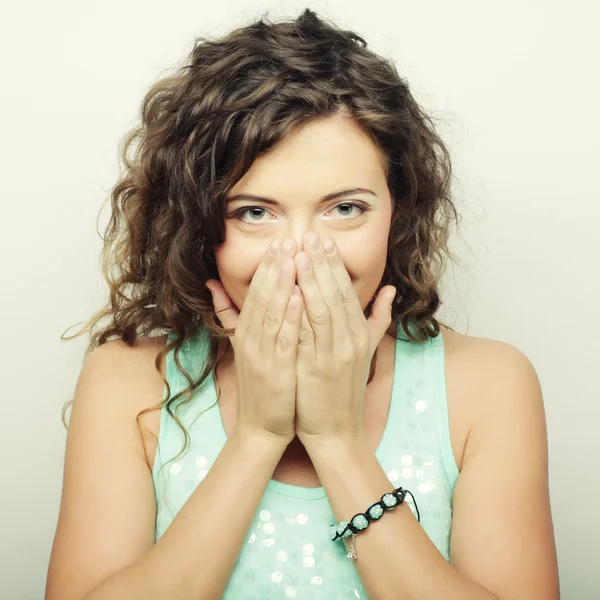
[{"x": 202, "y": 128}]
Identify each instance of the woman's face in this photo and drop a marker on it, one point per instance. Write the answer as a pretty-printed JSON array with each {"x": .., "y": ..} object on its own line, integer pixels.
[{"x": 323, "y": 157}]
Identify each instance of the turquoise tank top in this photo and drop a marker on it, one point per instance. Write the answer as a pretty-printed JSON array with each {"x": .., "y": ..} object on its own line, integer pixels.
[{"x": 287, "y": 552}]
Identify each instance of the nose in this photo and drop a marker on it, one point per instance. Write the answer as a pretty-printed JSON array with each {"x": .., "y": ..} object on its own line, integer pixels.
[{"x": 297, "y": 231}]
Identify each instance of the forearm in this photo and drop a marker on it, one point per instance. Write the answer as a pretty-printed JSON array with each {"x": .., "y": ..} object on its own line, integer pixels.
[
  {"x": 395, "y": 557},
  {"x": 194, "y": 558}
]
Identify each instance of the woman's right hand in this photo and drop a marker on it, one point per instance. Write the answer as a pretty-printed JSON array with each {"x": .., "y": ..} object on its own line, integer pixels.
[{"x": 265, "y": 344}]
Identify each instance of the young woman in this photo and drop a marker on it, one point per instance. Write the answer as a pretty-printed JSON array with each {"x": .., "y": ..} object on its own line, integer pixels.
[{"x": 282, "y": 227}]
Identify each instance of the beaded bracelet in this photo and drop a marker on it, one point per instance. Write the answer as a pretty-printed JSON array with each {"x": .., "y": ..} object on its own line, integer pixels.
[{"x": 361, "y": 521}]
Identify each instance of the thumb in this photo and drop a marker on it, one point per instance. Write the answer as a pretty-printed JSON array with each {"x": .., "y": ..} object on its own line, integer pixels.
[
  {"x": 225, "y": 309},
  {"x": 381, "y": 315}
]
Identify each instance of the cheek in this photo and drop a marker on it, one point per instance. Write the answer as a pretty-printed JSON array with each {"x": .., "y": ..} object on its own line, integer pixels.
[
  {"x": 365, "y": 264},
  {"x": 237, "y": 262}
]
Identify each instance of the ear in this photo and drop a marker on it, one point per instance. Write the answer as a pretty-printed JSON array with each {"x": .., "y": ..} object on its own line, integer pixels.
[{"x": 225, "y": 309}]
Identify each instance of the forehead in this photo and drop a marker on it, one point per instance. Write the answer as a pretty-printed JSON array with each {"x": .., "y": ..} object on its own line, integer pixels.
[{"x": 321, "y": 156}]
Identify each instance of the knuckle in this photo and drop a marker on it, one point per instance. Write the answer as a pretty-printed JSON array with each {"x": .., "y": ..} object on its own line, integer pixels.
[
  {"x": 347, "y": 353},
  {"x": 322, "y": 316},
  {"x": 305, "y": 335},
  {"x": 348, "y": 293},
  {"x": 346, "y": 357},
  {"x": 271, "y": 322},
  {"x": 261, "y": 300},
  {"x": 362, "y": 342},
  {"x": 335, "y": 259},
  {"x": 335, "y": 298},
  {"x": 220, "y": 311},
  {"x": 284, "y": 344}
]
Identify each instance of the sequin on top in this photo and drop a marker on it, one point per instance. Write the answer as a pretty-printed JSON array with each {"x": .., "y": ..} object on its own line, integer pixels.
[{"x": 287, "y": 552}]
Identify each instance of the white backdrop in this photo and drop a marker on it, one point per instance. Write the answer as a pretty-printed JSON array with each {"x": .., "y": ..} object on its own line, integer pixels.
[{"x": 514, "y": 87}]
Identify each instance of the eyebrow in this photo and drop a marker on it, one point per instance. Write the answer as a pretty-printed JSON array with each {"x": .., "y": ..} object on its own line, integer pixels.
[{"x": 326, "y": 198}]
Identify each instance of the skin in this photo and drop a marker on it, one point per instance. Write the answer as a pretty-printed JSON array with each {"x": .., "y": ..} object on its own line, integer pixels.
[
  {"x": 502, "y": 543},
  {"x": 325, "y": 156}
]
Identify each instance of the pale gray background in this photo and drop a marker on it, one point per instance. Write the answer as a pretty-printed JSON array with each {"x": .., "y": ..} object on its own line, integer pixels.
[{"x": 516, "y": 86}]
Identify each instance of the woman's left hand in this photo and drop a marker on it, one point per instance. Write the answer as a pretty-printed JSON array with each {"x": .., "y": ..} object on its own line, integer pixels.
[{"x": 336, "y": 346}]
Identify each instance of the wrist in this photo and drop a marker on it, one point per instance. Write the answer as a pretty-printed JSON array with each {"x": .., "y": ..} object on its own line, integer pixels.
[
  {"x": 334, "y": 444},
  {"x": 255, "y": 438}
]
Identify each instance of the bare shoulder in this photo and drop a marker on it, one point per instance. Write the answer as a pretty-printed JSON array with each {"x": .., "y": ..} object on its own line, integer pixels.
[
  {"x": 494, "y": 379},
  {"x": 483, "y": 359},
  {"x": 107, "y": 513},
  {"x": 136, "y": 365},
  {"x": 488, "y": 365},
  {"x": 125, "y": 356},
  {"x": 502, "y": 535},
  {"x": 117, "y": 381}
]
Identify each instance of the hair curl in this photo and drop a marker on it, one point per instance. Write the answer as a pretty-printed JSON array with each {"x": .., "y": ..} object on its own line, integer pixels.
[{"x": 202, "y": 128}]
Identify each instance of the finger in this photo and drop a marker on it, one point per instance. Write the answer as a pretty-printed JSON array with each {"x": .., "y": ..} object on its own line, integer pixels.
[
  {"x": 317, "y": 310},
  {"x": 225, "y": 310},
  {"x": 330, "y": 291},
  {"x": 306, "y": 337},
  {"x": 266, "y": 290},
  {"x": 263, "y": 266},
  {"x": 381, "y": 315},
  {"x": 354, "y": 312},
  {"x": 287, "y": 338},
  {"x": 278, "y": 306}
]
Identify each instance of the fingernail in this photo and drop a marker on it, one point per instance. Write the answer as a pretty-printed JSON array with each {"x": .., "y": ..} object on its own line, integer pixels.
[
  {"x": 313, "y": 241},
  {"x": 287, "y": 246},
  {"x": 328, "y": 246},
  {"x": 211, "y": 290}
]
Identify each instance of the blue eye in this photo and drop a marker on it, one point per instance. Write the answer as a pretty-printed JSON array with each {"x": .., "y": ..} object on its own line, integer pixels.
[
  {"x": 256, "y": 214},
  {"x": 253, "y": 211},
  {"x": 350, "y": 205}
]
